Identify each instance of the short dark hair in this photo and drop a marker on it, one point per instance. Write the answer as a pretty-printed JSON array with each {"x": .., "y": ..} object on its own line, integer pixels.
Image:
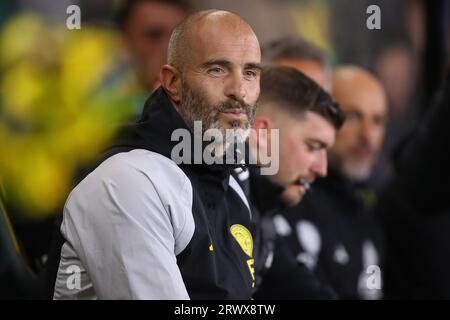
[
  {"x": 293, "y": 48},
  {"x": 127, "y": 6},
  {"x": 297, "y": 93}
]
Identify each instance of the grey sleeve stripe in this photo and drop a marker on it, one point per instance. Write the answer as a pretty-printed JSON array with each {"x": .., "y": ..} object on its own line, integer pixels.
[
  {"x": 186, "y": 230},
  {"x": 236, "y": 187}
]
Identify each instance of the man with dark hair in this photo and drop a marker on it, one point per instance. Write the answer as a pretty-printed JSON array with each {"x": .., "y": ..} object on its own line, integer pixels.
[
  {"x": 302, "y": 55},
  {"x": 142, "y": 225},
  {"x": 298, "y": 107},
  {"x": 146, "y": 26},
  {"x": 125, "y": 11},
  {"x": 307, "y": 119}
]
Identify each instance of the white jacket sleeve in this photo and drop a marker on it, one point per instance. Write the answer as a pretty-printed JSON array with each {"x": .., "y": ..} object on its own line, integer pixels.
[{"x": 126, "y": 225}]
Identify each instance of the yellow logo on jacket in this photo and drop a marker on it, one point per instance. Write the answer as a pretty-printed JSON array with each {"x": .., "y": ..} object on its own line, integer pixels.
[{"x": 245, "y": 240}]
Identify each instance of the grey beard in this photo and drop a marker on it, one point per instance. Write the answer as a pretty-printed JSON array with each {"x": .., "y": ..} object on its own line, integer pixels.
[{"x": 193, "y": 108}]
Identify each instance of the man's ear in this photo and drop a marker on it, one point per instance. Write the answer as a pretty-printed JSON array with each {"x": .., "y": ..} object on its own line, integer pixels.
[
  {"x": 262, "y": 126},
  {"x": 170, "y": 79}
]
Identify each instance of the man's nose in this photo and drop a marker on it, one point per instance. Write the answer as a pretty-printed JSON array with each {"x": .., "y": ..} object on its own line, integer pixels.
[
  {"x": 367, "y": 132},
  {"x": 235, "y": 88},
  {"x": 320, "y": 165}
]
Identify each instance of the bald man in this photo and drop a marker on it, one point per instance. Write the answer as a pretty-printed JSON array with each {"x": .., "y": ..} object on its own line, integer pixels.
[
  {"x": 145, "y": 225},
  {"x": 359, "y": 141},
  {"x": 334, "y": 230}
]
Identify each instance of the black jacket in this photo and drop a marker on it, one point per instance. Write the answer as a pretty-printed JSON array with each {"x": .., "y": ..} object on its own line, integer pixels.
[
  {"x": 278, "y": 274},
  {"x": 335, "y": 233}
]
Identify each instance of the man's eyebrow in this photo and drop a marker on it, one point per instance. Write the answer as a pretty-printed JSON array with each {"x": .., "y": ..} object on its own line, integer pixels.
[
  {"x": 220, "y": 62},
  {"x": 319, "y": 142},
  {"x": 253, "y": 65},
  {"x": 226, "y": 63},
  {"x": 353, "y": 108},
  {"x": 384, "y": 117}
]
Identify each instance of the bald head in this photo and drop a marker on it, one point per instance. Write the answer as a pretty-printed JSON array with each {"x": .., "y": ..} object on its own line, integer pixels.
[
  {"x": 213, "y": 70},
  {"x": 356, "y": 82},
  {"x": 201, "y": 30},
  {"x": 363, "y": 101}
]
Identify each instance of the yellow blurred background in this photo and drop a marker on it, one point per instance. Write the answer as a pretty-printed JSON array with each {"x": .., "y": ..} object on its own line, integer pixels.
[{"x": 55, "y": 110}]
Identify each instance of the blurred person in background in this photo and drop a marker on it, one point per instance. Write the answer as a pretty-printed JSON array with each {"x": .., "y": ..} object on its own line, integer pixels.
[
  {"x": 145, "y": 27},
  {"x": 394, "y": 54},
  {"x": 334, "y": 230},
  {"x": 302, "y": 55},
  {"x": 397, "y": 68}
]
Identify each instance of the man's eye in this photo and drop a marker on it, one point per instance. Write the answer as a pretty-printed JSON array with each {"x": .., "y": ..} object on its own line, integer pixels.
[
  {"x": 313, "y": 147},
  {"x": 215, "y": 71},
  {"x": 380, "y": 121},
  {"x": 154, "y": 34},
  {"x": 351, "y": 115},
  {"x": 250, "y": 73}
]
